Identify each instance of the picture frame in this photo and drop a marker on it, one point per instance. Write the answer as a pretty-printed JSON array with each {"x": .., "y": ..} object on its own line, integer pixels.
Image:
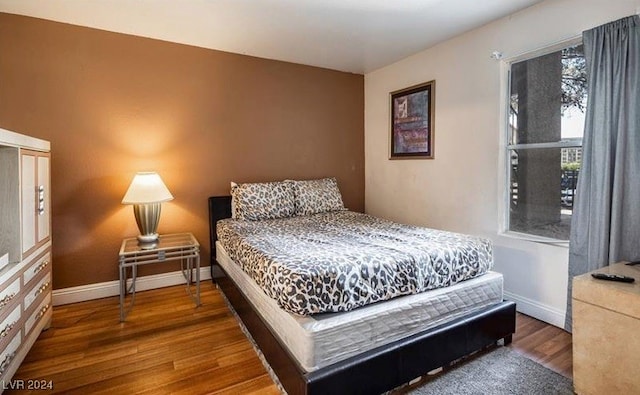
[{"x": 412, "y": 122}]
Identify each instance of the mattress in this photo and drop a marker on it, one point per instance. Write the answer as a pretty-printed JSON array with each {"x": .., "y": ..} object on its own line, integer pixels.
[
  {"x": 317, "y": 341},
  {"x": 341, "y": 260}
]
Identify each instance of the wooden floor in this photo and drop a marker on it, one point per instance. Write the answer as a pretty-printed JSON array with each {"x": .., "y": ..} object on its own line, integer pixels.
[
  {"x": 544, "y": 343},
  {"x": 169, "y": 346}
]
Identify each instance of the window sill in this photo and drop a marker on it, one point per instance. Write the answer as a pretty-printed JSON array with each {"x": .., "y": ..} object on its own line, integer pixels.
[{"x": 535, "y": 239}]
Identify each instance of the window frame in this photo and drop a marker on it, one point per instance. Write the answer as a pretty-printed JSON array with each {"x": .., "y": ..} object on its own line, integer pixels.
[{"x": 507, "y": 147}]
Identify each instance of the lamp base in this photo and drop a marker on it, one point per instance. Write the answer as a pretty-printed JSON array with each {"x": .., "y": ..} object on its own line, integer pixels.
[
  {"x": 150, "y": 238},
  {"x": 147, "y": 218},
  {"x": 145, "y": 243}
]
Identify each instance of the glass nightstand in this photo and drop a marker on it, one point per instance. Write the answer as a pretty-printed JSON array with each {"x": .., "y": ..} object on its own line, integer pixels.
[{"x": 171, "y": 247}]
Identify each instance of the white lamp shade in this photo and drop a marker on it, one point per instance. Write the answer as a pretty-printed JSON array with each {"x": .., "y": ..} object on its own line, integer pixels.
[{"x": 147, "y": 187}]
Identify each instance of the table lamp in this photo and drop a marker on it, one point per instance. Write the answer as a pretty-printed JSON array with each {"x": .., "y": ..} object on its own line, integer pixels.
[{"x": 146, "y": 193}]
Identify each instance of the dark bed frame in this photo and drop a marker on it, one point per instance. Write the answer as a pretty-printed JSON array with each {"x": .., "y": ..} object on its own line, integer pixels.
[{"x": 377, "y": 370}]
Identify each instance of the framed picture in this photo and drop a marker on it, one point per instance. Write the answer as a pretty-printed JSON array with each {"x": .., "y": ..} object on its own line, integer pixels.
[{"x": 412, "y": 120}]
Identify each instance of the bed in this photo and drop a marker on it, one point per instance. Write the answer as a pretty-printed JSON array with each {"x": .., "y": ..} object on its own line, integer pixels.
[{"x": 392, "y": 354}]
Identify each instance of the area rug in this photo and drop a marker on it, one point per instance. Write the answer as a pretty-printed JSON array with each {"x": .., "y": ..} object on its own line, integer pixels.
[{"x": 499, "y": 371}]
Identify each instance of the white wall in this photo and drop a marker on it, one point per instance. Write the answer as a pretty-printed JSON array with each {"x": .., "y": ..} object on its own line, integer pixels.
[{"x": 462, "y": 188}]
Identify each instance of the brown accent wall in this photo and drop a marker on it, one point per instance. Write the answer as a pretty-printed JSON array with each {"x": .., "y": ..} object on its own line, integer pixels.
[{"x": 113, "y": 104}]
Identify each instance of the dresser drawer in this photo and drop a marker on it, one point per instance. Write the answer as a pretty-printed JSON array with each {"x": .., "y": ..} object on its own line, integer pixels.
[
  {"x": 37, "y": 314},
  {"x": 9, "y": 353},
  {"x": 38, "y": 265},
  {"x": 42, "y": 286},
  {"x": 9, "y": 294},
  {"x": 9, "y": 325}
]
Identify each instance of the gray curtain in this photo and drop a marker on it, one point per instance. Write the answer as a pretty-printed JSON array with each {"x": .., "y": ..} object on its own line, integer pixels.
[{"x": 605, "y": 227}]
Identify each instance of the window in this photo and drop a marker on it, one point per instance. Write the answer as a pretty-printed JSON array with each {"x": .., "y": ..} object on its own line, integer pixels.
[{"x": 547, "y": 100}]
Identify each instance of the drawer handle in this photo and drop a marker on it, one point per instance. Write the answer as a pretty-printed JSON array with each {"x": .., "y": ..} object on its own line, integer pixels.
[
  {"x": 42, "y": 311},
  {"x": 5, "y": 301},
  {"x": 41, "y": 289},
  {"x": 6, "y": 362},
  {"x": 40, "y": 199},
  {"x": 7, "y": 329},
  {"x": 40, "y": 267}
]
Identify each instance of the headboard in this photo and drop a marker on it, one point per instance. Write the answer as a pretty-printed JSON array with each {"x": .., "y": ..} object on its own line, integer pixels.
[{"x": 219, "y": 208}]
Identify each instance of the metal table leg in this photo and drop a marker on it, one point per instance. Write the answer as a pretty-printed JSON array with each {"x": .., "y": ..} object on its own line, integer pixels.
[
  {"x": 123, "y": 284},
  {"x": 198, "y": 280}
]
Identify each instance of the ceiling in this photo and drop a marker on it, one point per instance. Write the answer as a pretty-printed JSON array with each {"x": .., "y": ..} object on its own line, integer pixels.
[{"x": 357, "y": 36}]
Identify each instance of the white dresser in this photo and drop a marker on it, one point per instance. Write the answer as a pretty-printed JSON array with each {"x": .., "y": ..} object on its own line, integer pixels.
[{"x": 25, "y": 246}]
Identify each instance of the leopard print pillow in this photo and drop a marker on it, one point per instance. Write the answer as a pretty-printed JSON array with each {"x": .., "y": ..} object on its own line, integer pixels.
[
  {"x": 317, "y": 196},
  {"x": 258, "y": 201}
]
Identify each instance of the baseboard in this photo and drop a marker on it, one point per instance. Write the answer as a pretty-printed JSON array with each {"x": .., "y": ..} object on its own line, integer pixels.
[
  {"x": 537, "y": 310},
  {"x": 111, "y": 288}
]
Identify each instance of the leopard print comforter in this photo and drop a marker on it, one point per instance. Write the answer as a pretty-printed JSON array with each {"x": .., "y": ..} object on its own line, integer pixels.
[{"x": 341, "y": 260}]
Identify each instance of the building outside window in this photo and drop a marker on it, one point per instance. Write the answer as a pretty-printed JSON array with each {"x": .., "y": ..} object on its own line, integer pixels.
[{"x": 547, "y": 100}]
